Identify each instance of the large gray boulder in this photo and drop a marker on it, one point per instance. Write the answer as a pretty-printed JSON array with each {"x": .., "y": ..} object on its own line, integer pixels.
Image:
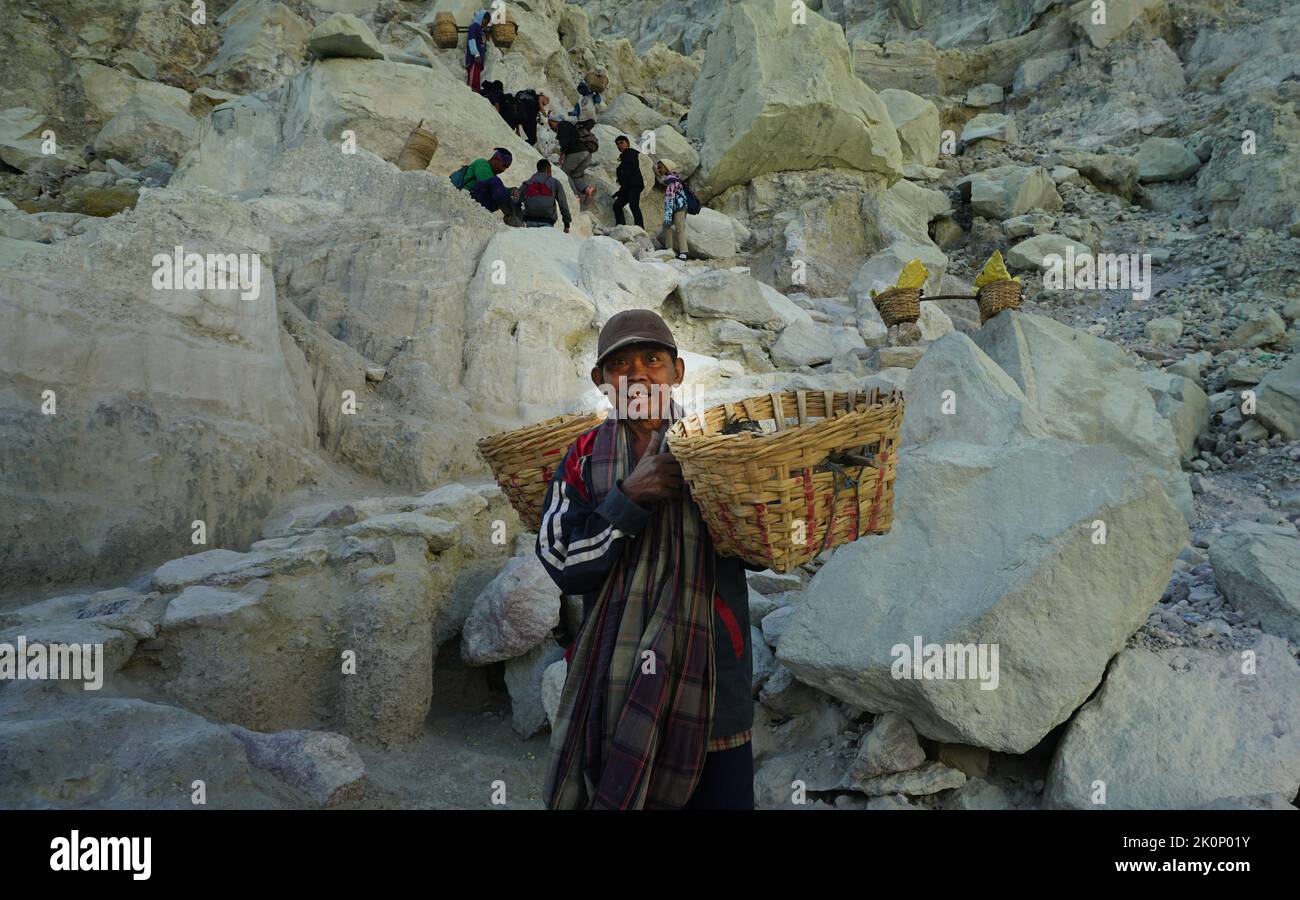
[
  {"x": 721, "y": 294},
  {"x": 147, "y": 127},
  {"x": 1183, "y": 404},
  {"x": 1257, "y": 567},
  {"x": 990, "y": 531},
  {"x": 1278, "y": 400},
  {"x": 71, "y": 751},
  {"x": 345, "y": 35},
  {"x": 261, "y": 43},
  {"x": 917, "y": 121},
  {"x": 1165, "y": 159},
  {"x": 1005, "y": 191},
  {"x": 1087, "y": 391},
  {"x": 514, "y": 614},
  {"x": 1183, "y": 728},
  {"x": 993, "y": 546},
  {"x": 756, "y": 110}
]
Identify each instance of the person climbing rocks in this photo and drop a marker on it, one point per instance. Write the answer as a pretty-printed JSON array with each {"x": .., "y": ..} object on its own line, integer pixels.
[
  {"x": 630, "y": 182},
  {"x": 482, "y": 178},
  {"x": 539, "y": 196},
  {"x": 475, "y": 50},
  {"x": 522, "y": 110},
  {"x": 495, "y": 93},
  {"x": 589, "y": 104},
  {"x": 673, "y": 233},
  {"x": 656, "y": 710},
  {"x": 575, "y": 154}
]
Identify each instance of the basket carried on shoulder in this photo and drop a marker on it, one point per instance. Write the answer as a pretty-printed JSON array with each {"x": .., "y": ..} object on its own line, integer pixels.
[
  {"x": 445, "y": 33},
  {"x": 898, "y": 305},
  {"x": 997, "y": 296},
  {"x": 419, "y": 148},
  {"x": 503, "y": 32},
  {"x": 523, "y": 460},
  {"x": 779, "y": 498},
  {"x": 597, "y": 80}
]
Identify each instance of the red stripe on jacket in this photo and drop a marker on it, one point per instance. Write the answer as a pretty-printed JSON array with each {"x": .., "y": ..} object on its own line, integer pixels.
[{"x": 573, "y": 467}]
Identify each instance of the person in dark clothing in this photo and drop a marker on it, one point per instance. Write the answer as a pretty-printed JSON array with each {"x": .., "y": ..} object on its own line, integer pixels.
[
  {"x": 630, "y": 182},
  {"x": 495, "y": 93},
  {"x": 475, "y": 50},
  {"x": 523, "y": 109},
  {"x": 574, "y": 157},
  {"x": 539, "y": 196}
]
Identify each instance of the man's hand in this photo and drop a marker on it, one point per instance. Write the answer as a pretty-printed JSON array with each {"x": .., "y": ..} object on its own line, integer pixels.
[{"x": 657, "y": 475}]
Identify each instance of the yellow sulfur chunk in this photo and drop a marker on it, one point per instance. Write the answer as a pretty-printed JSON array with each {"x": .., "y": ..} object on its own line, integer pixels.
[
  {"x": 912, "y": 276},
  {"x": 994, "y": 270}
]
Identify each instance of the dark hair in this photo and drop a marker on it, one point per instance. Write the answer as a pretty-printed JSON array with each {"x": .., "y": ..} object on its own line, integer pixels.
[
  {"x": 543, "y": 165},
  {"x": 622, "y": 137}
]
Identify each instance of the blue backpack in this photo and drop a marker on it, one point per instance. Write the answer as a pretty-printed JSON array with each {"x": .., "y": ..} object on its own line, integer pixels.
[{"x": 692, "y": 201}]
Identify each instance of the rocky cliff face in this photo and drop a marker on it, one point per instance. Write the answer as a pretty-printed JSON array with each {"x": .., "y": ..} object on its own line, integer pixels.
[{"x": 245, "y": 362}]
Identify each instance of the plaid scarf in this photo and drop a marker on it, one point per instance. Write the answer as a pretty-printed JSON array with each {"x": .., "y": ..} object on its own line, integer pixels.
[{"x": 634, "y": 717}]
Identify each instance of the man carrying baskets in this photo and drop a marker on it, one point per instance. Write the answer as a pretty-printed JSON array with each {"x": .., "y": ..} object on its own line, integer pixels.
[{"x": 657, "y": 709}]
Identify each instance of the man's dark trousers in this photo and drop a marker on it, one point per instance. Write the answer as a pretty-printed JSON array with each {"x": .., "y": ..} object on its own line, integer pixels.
[
  {"x": 633, "y": 199},
  {"x": 727, "y": 781}
]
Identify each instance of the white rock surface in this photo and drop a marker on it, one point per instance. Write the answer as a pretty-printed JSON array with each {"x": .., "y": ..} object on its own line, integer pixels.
[{"x": 1182, "y": 728}]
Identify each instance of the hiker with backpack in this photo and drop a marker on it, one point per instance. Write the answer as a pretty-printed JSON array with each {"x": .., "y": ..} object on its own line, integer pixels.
[
  {"x": 630, "y": 182},
  {"x": 475, "y": 50},
  {"x": 678, "y": 203},
  {"x": 522, "y": 109},
  {"x": 482, "y": 179},
  {"x": 576, "y": 147},
  {"x": 539, "y": 196}
]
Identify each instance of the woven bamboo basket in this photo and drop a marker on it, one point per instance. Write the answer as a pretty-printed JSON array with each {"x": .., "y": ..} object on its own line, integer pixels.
[
  {"x": 419, "y": 148},
  {"x": 523, "y": 460},
  {"x": 445, "y": 33},
  {"x": 898, "y": 305},
  {"x": 997, "y": 296},
  {"x": 503, "y": 32},
  {"x": 597, "y": 80},
  {"x": 823, "y": 475}
]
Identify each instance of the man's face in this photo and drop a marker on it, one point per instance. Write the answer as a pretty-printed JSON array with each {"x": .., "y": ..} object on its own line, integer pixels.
[
  {"x": 621, "y": 145},
  {"x": 637, "y": 380},
  {"x": 498, "y": 165}
]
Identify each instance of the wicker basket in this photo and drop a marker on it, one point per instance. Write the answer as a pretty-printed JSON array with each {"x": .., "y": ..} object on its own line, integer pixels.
[
  {"x": 445, "y": 33},
  {"x": 419, "y": 148},
  {"x": 503, "y": 32},
  {"x": 997, "y": 296},
  {"x": 524, "y": 460},
  {"x": 778, "y": 499},
  {"x": 898, "y": 305},
  {"x": 597, "y": 80}
]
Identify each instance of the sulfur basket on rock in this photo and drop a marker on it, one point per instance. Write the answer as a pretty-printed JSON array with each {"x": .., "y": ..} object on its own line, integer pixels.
[
  {"x": 898, "y": 305},
  {"x": 820, "y": 474},
  {"x": 995, "y": 297},
  {"x": 419, "y": 148},
  {"x": 523, "y": 460}
]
